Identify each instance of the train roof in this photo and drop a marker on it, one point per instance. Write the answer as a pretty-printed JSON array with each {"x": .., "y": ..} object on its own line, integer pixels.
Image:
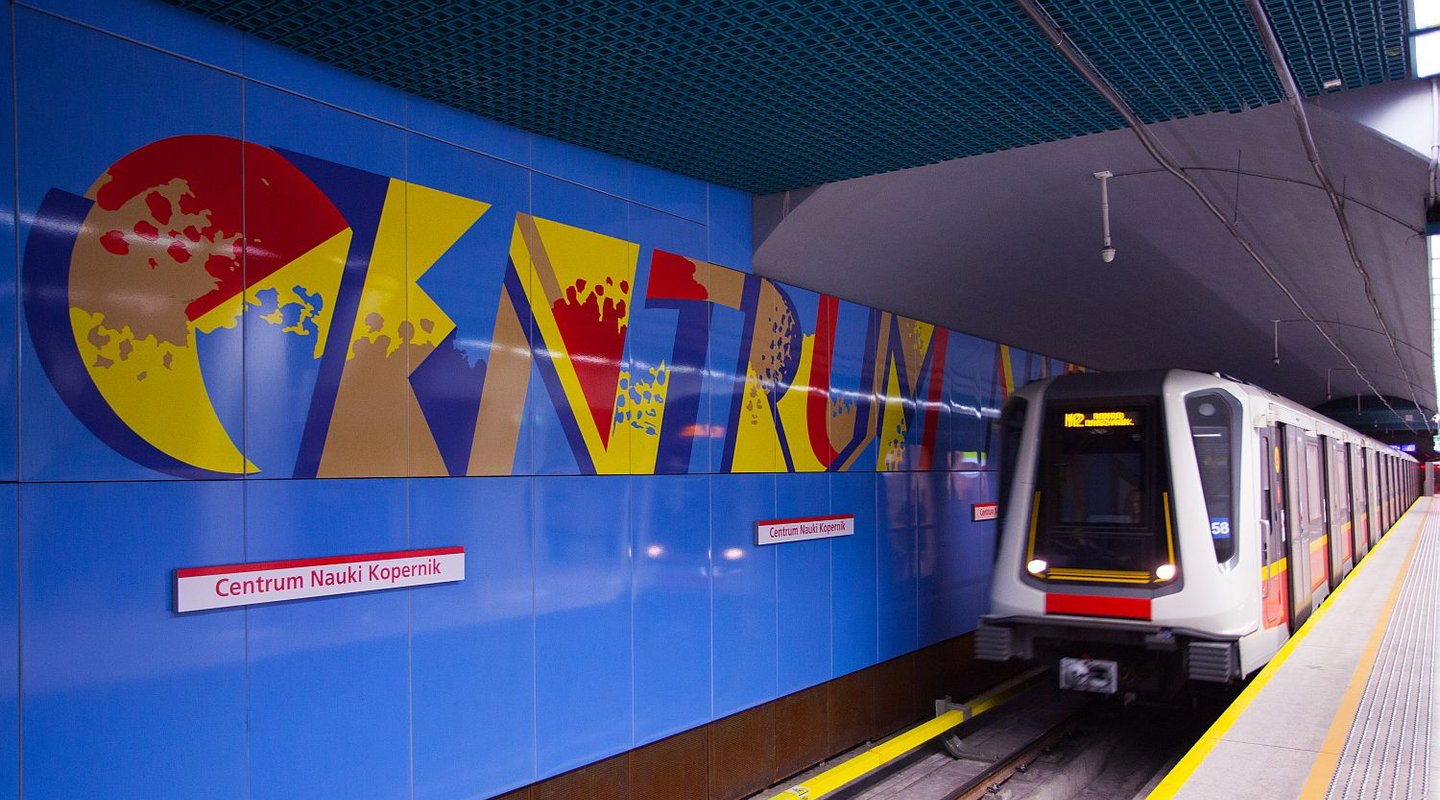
[{"x": 1155, "y": 381}]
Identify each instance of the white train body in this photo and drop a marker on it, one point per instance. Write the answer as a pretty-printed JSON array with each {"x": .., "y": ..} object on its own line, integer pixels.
[{"x": 1175, "y": 525}]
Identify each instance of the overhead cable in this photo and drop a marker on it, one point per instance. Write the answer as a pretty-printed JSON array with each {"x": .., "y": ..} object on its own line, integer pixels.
[
  {"x": 1302, "y": 121},
  {"x": 1072, "y": 55}
]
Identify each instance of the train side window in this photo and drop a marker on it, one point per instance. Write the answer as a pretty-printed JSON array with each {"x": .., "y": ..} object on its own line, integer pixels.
[
  {"x": 1266, "y": 476},
  {"x": 1313, "y": 484},
  {"x": 1340, "y": 487},
  {"x": 1212, "y": 429}
]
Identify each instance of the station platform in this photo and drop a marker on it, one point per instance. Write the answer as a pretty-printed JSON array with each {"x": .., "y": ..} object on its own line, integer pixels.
[{"x": 1346, "y": 709}]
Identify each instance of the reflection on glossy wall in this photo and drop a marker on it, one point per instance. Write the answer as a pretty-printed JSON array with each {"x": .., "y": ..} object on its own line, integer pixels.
[
  {"x": 239, "y": 271},
  {"x": 197, "y": 272}
]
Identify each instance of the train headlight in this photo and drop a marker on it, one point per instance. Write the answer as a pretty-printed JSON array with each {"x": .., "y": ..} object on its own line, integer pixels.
[
  {"x": 1037, "y": 566},
  {"x": 1165, "y": 572}
]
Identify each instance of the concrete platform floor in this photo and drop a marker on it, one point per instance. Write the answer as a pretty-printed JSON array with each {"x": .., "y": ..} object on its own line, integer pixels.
[{"x": 1343, "y": 710}]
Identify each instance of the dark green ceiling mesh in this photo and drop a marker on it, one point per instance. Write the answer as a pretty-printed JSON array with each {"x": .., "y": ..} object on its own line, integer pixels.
[{"x": 765, "y": 95}]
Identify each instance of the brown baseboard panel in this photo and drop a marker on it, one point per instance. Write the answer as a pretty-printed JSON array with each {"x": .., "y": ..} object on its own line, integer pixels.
[{"x": 743, "y": 753}]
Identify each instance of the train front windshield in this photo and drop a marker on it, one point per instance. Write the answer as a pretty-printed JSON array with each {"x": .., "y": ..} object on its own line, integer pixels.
[{"x": 1100, "y": 517}]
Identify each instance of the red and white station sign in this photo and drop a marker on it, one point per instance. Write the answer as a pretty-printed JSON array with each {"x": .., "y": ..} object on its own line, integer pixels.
[
  {"x": 775, "y": 531},
  {"x": 201, "y": 588}
]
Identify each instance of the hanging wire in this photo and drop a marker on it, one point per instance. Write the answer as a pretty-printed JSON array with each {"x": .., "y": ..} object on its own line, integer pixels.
[
  {"x": 1077, "y": 60},
  {"x": 1337, "y": 205}
]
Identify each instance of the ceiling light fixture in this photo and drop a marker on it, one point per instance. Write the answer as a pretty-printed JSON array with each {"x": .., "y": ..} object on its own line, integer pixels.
[{"x": 1107, "y": 253}]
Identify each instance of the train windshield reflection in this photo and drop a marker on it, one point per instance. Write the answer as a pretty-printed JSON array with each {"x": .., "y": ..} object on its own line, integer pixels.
[{"x": 1099, "y": 510}]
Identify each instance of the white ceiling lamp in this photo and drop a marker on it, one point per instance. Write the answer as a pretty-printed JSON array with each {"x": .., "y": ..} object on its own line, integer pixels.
[{"x": 1107, "y": 253}]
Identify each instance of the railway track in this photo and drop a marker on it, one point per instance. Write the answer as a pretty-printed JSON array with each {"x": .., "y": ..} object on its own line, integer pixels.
[{"x": 1041, "y": 745}]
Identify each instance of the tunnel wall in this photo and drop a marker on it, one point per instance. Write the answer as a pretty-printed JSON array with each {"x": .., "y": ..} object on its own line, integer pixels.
[{"x": 264, "y": 310}]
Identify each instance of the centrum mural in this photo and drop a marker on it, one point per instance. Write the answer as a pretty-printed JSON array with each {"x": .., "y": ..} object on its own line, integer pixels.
[{"x": 140, "y": 289}]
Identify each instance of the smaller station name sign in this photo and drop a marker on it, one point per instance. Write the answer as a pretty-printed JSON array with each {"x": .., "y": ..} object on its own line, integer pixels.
[
  {"x": 202, "y": 588},
  {"x": 775, "y": 531}
]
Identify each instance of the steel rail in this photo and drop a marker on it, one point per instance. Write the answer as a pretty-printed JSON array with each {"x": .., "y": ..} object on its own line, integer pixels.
[
  {"x": 985, "y": 784},
  {"x": 888, "y": 751}
]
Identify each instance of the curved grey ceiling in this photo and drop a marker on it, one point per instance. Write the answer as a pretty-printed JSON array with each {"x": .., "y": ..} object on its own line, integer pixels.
[{"x": 1006, "y": 246}]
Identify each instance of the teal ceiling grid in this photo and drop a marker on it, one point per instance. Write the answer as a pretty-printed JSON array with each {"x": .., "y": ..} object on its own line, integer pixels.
[{"x": 771, "y": 95}]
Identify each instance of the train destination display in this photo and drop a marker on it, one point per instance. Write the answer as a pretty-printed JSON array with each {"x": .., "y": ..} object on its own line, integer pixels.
[{"x": 1101, "y": 419}]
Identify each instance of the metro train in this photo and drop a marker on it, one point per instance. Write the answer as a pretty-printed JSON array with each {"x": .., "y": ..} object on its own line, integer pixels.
[{"x": 1169, "y": 527}]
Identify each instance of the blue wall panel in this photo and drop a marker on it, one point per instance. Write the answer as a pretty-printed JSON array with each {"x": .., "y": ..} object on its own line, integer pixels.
[
  {"x": 730, "y": 228},
  {"x": 669, "y": 193},
  {"x": 554, "y": 438},
  {"x": 274, "y": 65},
  {"x": 9, "y": 641},
  {"x": 853, "y": 601},
  {"x": 329, "y": 678},
  {"x": 671, "y": 589},
  {"x": 583, "y": 632},
  {"x": 927, "y": 440},
  {"x": 466, "y": 283},
  {"x": 9, "y": 333},
  {"x": 796, "y": 452},
  {"x": 976, "y": 554},
  {"x": 670, "y": 337},
  {"x": 157, "y": 25},
  {"x": 851, "y": 381},
  {"x": 970, "y": 378},
  {"x": 598, "y": 612},
  {"x": 599, "y": 171},
  {"x": 294, "y": 392},
  {"x": 947, "y": 551},
  {"x": 473, "y": 642},
  {"x": 59, "y": 99},
  {"x": 897, "y": 562},
  {"x": 724, "y": 384},
  {"x": 429, "y": 118},
  {"x": 544, "y": 434},
  {"x": 122, "y": 697},
  {"x": 745, "y": 592},
  {"x": 804, "y": 586}
]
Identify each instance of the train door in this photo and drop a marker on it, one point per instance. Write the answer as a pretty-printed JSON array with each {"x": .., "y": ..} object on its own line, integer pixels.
[
  {"x": 1297, "y": 527},
  {"x": 1372, "y": 495},
  {"x": 1337, "y": 512},
  {"x": 1386, "y": 518},
  {"x": 1314, "y": 525},
  {"x": 1394, "y": 492},
  {"x": 1358, "y": 518},
  {"x": 1398, "y": 468},
  {"x": 1273, "y": 591},
  {"x": 1388, "y": 472},
  {"x": 1389, "y": 493}
]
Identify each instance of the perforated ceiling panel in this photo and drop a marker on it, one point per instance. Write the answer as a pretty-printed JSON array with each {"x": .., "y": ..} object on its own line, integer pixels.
[{"x": 765, "y": 95}]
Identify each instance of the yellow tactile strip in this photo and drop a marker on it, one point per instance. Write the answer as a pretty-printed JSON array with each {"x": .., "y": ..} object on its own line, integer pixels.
[
  {"x": 1176, "y": 780},
  {"x": 1385, "y": 731}
]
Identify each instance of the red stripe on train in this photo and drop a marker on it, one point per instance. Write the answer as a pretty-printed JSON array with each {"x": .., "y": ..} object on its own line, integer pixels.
[{"x": 1089, "y": 605}]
